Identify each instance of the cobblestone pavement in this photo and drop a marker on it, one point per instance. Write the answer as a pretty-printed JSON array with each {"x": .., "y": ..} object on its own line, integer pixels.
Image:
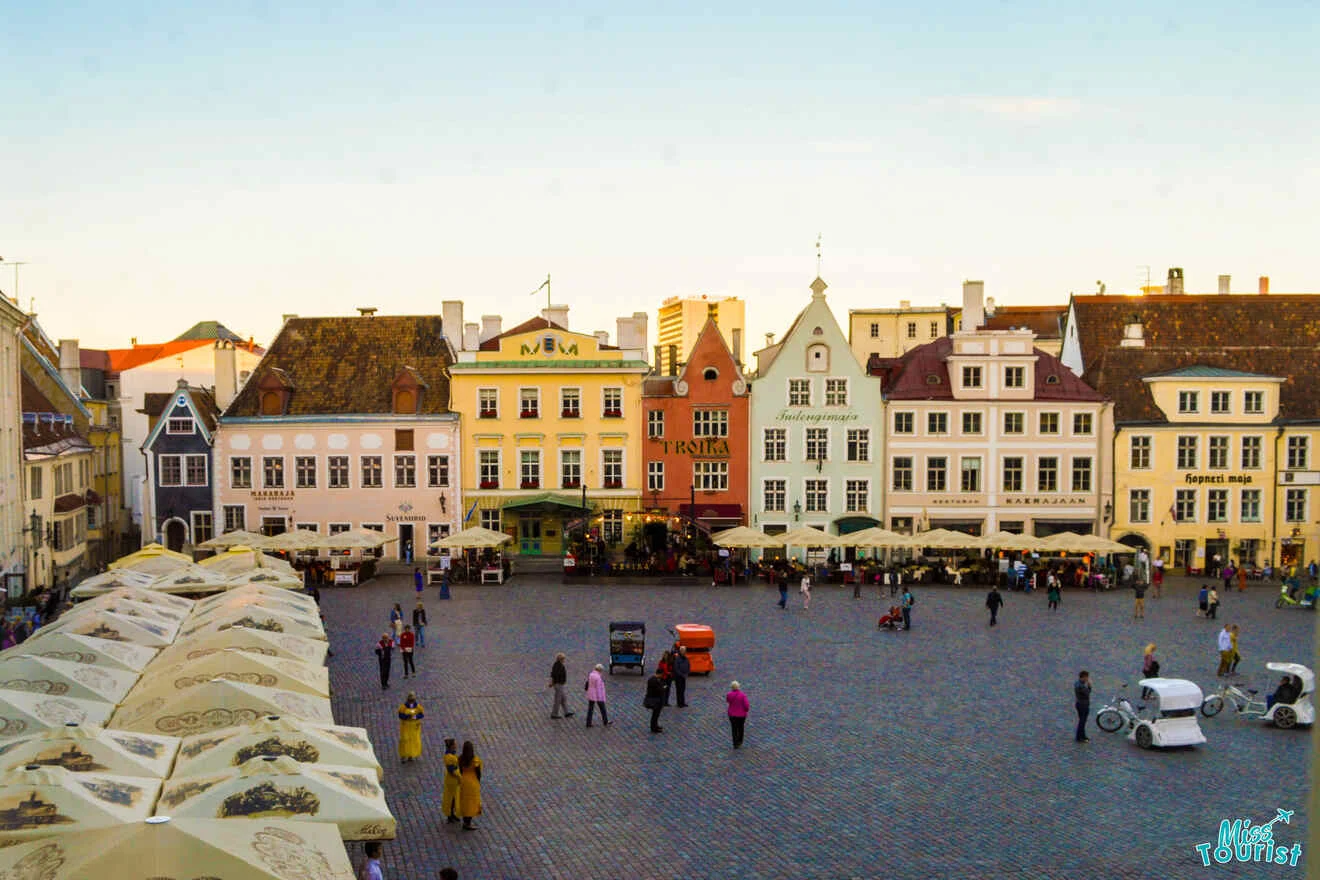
[{"x": 946, "y": 751}]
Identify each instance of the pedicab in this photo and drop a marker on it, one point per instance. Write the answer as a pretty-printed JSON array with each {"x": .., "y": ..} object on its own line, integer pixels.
[
  {"x": 628, "y": 645},
  {"x": 1168, "y": 718},
  {"x": 1288, "y": 706},
  {"x": 699, "y": 640}
]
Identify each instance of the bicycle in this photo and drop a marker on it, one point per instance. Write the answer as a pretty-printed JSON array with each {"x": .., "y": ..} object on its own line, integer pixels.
[
  {"x": 1244, "y": 702},
  {"x": 1119, "y": 715}
]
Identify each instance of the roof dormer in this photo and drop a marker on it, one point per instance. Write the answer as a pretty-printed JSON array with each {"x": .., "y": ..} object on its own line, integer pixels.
[
  {"x": 406, "y": 392},
  {"x": 274, "y": 391}
]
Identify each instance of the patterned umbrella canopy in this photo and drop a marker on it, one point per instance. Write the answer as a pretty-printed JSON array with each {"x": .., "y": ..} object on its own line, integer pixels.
[
  {"x": 115, "y": 627},
  {"x": 147, "y": 553},
  {"x": 89, "y": 748},
  {"x": 215, "y": 704},
  {"x": 39, "y": 801},
  {"x": 85, "y": 649},
  {"x": 64, "y": 678},
  {"x": 245, "y": 638},
  {"x": 221, "y": 750},
  {"x": 23, "y": 712},
  {"x": 256, "y": 618}
]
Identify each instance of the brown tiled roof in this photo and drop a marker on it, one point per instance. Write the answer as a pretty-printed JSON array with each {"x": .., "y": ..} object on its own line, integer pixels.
[
  {"x": 71, "y": 501},
  {"x": 93, "y": 359},
  {"x": 32, "y": 399},
  {"x": 342, "y": 365},
  {"x": 912, "y": 379},
  {"x": 538, "y": 323},
  {"x": 153, "y": 402},
  {"x": 1045, "y": 321},
  {"x": 658, "y": 386}
]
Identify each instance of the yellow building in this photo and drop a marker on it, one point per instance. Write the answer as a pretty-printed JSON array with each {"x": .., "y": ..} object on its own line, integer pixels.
[
  {"x": 552, "y": 427},
  {"x": 891, "y": 333},
  {"x": 681, "y": 320},
  {"x": 105, "y": 524}
]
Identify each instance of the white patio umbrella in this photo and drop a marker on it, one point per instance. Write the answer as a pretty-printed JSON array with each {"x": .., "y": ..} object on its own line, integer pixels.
[
  {"x": 85, "y": 649},
  {"x": 473, "y": 537},
  {"x": 218, "y": 751},
  {"x": 743, "y": 536},
  {"x": 90, "y": 748},
  {"x": 1008, "y": 541},
  {"x": 218, "y": 703},
  {"x": 806, "y": 536},
  {"x": 231, "y": 539}
]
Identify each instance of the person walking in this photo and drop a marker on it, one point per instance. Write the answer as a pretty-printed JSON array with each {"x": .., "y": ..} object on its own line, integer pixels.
[
  {"x": 418, "y": 582},
  {"x": 469, "y": 786},
  {"x": 371, "y": 868},
  {"x": 419, "y": 623},
  {"x": 682, "y": 668},
  {"x": 782, "y": 580},
  {"x": 449, "y": 795},
  {"x": 1082, "y": 702},
  {"x": 595, "y": 688},
  {"x": 1242, "y": 577},
  {"x": 1233, "y": 660},
  {"x": 994, "y": 601},
  {"x": 396, "y": 620},
  {"x": 407, "y": 642},
  {"x": 1203, "y": 601},
  {"x": 410, "y": 729},
  {"x": 559, "y": 678},
  {"x": 805, "y": 590},
  {"x": 907, "y": 608},
  {"x": 738, "y": 707},
  {"x": 1212, "y": 604},
  {"x": 384, "y": 653},
  {"x": 655, "y": 700},
  {"x": 1225, "y": 644},
  {"x": 1052, "y": 592},
  {"x": 1139, "y": 600},
  {"x": 1157, "y": 576},
  {"x": 665, "y": 669}
]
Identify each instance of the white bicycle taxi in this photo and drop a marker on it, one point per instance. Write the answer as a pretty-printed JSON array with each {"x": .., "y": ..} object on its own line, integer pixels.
[
  {"x": 1166, "y": 719},
  {"x": 1291, "y": 708}
]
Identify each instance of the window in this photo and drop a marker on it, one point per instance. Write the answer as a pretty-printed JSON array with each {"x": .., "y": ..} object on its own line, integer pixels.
[
  {"x": 403, "y": 439},
  {"x": 655, "y": 476},
  {"x": 92, "y": 517},
  {"x": 1015, "y": 377},
  {"x": 936, "y": 474},
  {"x": 612, "y": 468},
  {"x": 1297, "y": 453},
  {"x": 911, "y": 329},
  {"x": 1014, "y": 423},
  {"x": 405, "y": 472},
  {"x": 710, "y": 423},
  {"x": 818, "y": 444},
  {"x": 818, "y": 356},
  {"x": 773, "y": 496},
  {"x": 774, "y": 444},
  {"x": 235, "y": 517},
  {"x": 655, "y": 423},
  {"x": 171, "y": 471},
  {"x": 1216, "y": 453},
  {"x": 1082, "y": 424},
  {"x": 179, "y": 426},
  {"x": 490, "y": 519},
  {"x": 799, "y": 392},
  {"x": 338, "y": 529},
  {"x": 272, "y": 472},
  {"x": 1013, "y": 474},
  {"x": 969, "y": 472},
  {"x": 437, "y": 471},
  {"x": 1184, "y": 505},
  {"x": 1253, "y": 402},
  {"x": 529, "y": 403},
  {"x": 875, "y": 330},
  {"x": 710, "y": 476},
  {"x": 934, "y": 329},
  {"x": 338, "y": 472},
  {"x": 488, "y": 403},
  {"x": 857, "y": 496},
  {"x": 818, "y": 496},
  {"x": 240, "y": 472},
  {"x": 904, "y": 423},
  {"x": 902, "y": 470},
  {"x": 436, "y": 532},
  {"x": 1221, "y": 402},
  {"x": 1250, "y": 505},
  {"x": 1139, "y": 505},
  {"x": 202, "y": 526},
  {"x": 971, "y": 423},
  {"x": 611, "y": 526},
  {"x": 1189, "y": 401},
  {"x": 937, "y": 423},
  {"x": 1139, "y": 453},
  {"x": 1047, "y": 474},
  {"x": 836, "y": 392},
  {"x": 570, "y": 468},
  {"x": 34, "y": 482},
  {"x": 373, "y": 476},
  {"x": 488, "y": 468},
  {"x": 613, "y": 403},
  {"x": 570, "y": 403},
  {"x": 1186, "y": 453},
  {"x": 1251, "y": 453},
  {"x": 1294, "y": 506},
  {"x": 1216, "y": 505},
  {"x": 1081, "y": 473},
  {"x": 1049, "y": 423},
  {"x": 529, "y": 469},
  {"x": 971, "y": 377},
  {"x": 195, "y": 470},
  {"x": 304, "y": 471},
  {"x": 859, "y": 444}
]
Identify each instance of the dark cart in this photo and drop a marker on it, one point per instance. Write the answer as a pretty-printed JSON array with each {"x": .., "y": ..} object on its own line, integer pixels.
[{"x": 628, "y": 645}]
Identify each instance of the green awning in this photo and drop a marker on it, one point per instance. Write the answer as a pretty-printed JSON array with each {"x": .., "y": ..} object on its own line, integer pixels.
[
  {"x": 545, "y": 500},
  {"x": 849, "y": 524}
]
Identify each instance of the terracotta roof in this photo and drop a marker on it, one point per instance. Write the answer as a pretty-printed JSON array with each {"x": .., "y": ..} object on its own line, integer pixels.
[
  {"x": 71, "y": 501},
  {"x": 342, "y": 365},
  {"x": 1045, "y": 321},
  {"x": 127, "y": 358},
  {"x": 923, "y": 374}
]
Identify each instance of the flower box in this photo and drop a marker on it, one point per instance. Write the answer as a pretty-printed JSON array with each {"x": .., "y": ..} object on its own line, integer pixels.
[
  {"x": 531, "y": 484},
  {"x": 528, "y": 414},
  {"x": 488, "y": 414},
  {"x": 571, "y": 414},
  {"x": 490, "y": 484},
  {"x": 572, "y": 484},
  {"x": 613, "y": 413},
  {"x": 614, "y": 484}
]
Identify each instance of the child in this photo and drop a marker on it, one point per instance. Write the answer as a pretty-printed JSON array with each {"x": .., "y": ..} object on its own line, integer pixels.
[
  {"x": 1053, "y": 593},
  {"x": 1202, "y": 600}
]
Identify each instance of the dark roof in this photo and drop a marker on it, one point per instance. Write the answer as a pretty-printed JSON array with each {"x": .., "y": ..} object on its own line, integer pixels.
[
  {"x": 912, "y": 380},
  {"x": 209, "y": 330},
  {"x": 93, "y": 359},
  {"x": 32, "y": 399},
  {"x": 1045, "y": 321},
  {"x": 538, "y": 323},
  {"x": 155, "y": 403},
  {"x": 349, "y": 364},
  {"x": 658, "y": 386},
  {"x": 48, "y": 436},
  {"x": 71, "y": 501}
]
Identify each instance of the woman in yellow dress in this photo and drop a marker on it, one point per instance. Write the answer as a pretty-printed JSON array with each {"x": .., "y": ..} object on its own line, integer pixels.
[
  {"x": 410, "y": 729},
  {"x": 469, "y": 786},
  {"x": 449, "y": 798}
]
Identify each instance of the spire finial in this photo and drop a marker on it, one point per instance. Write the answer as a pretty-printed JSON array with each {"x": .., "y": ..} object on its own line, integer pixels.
[{"x": 817, "y": 254}]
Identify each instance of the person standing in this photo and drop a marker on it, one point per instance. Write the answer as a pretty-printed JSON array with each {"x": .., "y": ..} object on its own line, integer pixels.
[
  {"x": 407, "y": 642},
  {"x": 907, "y": 608},
  {"x": 418, "y": 582},
  {"x": 469, "y": 786},
  {"x": 1225, "y": 643},
  {"x": 655, "y": 700},
  {"x": 805, "y": 590},
  {"x": 1203, "y": 601},
  {"x": 1233, "y": 660},
  {"x": 595, "y": 689},
  {"x": 396, "y": 620},
  {"x": 1082, "y": 702},
  {"x": 782, "y": 580},
  {"x": 665, "y": 669},
  {"x": 384, "y": 654},
  {"x": 410, "y": 729},
  {"x": 1242, "y": 577},
  {"x": 559, "y": 678},
  {"x": 1212, "y": 604},
  {"x": 738, "y": 707},
  {"x": 419, "y": 623},
  {"x": 1139, "y": 602},
  {"x": 371, "y": 868},
  {"x": 682, "y": 668},
  {"x": 1157, "y": 576},
  {"x": 1052, "y": 592},
  {"x": 449, "y": 795},
  {"x": 994, "y": 601}
]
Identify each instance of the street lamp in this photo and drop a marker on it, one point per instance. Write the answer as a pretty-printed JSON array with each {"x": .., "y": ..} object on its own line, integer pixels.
[
  {"x": 797, "y": 510},
  {"x": 1109, "y": 510}
]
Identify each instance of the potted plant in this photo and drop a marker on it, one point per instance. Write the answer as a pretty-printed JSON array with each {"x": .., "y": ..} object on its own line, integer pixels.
[
  {"x": 490, "y": 484},
  {"x": 527, "y": 414},
  {"x": 531, "y": 484}
]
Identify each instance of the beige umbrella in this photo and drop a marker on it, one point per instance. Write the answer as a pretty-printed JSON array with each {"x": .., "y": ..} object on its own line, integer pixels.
[
  {"x": 293, "y": 541},
  {"x": 258, "y": 594},
  {"x": 192, "y": 582},
  {"x": 147, "y": 596},
  {"x": 241, "y": 559},
  {"x": 260, "y": 609},
  {"x": 63, "y": 678},
  {"x": 120, "y": 603},
  {"x": 876, "y": 537},
  {"x": 156, "y": 566},
  {"x": 353, "y": 541},
  {"x": 160, "y": 847},
  {"x": 150, "y": 551},
  {"x": 256, "y": 618},
  {"x": 243, "y": 638},
  {"x": 1071, "y": 542},
  {"x": 1008, "y": 541},
  {"x": 40, "y": 801},
  {"x": 219, "y": 703},
  {"x": 232, "y": 539},
  {"x": 742, "y": 536},
  {"x": 266, "y": 577},
  {"x": 278, "y": 786},
  {"x": 234, "y": 665},
  {"x": 944, "y": 539},
  {"x": 107, "y": 581},
  {"x": 23, "y": 712},
  {"x": 85, "y": 649},
  {"x": 220, "y": 750},
  {"x": 806, "y": 536},
  {"x": 115, "y": 627},
  {"x": 88, "y": 748},
  {"x": 475, "y": 537}
]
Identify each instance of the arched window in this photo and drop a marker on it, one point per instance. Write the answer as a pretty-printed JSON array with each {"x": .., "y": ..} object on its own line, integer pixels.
[
  {"x": 272, "y": 403},
  {"x": 818, "y": 358},
  {"x": 710, "y": 374}
]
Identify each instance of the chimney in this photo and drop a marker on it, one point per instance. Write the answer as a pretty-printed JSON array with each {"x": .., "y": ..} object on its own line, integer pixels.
[
  {"x": 673, "y": 360},
  {"x": 226, "y": 373},
  {"x": 70, "y": 366},
  {"x": 1174, "y": 286},
  {"x": 1224, "y": 282},
  {"x": 602, "y": 337},
  {"x": 905, "y": 303},
  {"x": 366, "y": 311},
  {"x": 1264, "y": 288},
  {"x": 1134, "y": 333},
  {"x": 736, "y": 339},
  {"x": 451, "y": 322},
  {"x": 490, "y": 326},
  {"x": 556, "y": 315},
  {"x": 658, "y": 349},
  {"x": 769, "y": 339},
  {"x": 973, "y": 312},
  {"x": 471, "y": 336},
  {"x": 286, "y": 318},
  {"x": 631, "y": 332}
]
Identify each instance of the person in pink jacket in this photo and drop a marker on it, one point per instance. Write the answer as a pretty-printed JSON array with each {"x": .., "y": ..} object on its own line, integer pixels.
[
  {"x": 596, "y": 695},
  {"x": 738, "y": 707}
]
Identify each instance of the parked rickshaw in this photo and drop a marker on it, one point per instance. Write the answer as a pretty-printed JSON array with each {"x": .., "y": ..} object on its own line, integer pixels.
[
  {"x": 699, "y": 640},
  {"x": 1168, "y": 718},
  {"x": 1288, "y": 706},
  {"x": 628, "y": 645}
]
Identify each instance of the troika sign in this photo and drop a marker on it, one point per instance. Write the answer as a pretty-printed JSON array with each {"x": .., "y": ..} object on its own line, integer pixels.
[{"x": 695, "y": 447}]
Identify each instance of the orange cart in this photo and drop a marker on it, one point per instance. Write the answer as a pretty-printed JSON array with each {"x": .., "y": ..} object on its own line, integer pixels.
[{"x": 699, "y": 640}]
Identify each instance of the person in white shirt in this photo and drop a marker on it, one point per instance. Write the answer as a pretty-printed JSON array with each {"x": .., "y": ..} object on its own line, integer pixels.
[
  {"x": 371, "y": 868},
  {"x": 1225, "y": 650},
  {"x": 805, "y": 590}
]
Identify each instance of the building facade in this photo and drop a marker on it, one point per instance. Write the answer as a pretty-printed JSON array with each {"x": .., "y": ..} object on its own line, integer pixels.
[
  {"x": 180, "y": 472},
  {"x": 58, "y": 463},
  {"x": 552, "y": 422},
  {"x": 890, "y": 333},
  {"x": 682, "y": 319},
  {"x": 13, "y": 517}
]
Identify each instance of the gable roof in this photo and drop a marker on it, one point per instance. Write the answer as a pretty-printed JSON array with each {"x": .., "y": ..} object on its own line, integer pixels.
[
  {"x": 200, "y": 402},
  {"x": 347, "y": 365},
  {"x": 209, "y": 330},
  {"x": 122, "y": 359},
  {"x": 912, "y": 379},
  {"x": 530, "y": 325},
  {"x": 1044, "y": 321},
  {"x": 709, "y": 329}
]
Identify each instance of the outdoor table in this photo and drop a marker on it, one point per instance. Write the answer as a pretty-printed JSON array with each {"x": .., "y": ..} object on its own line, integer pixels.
[
  {"x": 346, "y": 577},
  {"x": 492, "y": 574}
]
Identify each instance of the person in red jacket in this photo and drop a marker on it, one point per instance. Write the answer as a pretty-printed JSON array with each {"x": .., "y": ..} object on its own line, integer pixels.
[
  {"x": 408, "y": 641},
  {"x": 738, "y": 708}
]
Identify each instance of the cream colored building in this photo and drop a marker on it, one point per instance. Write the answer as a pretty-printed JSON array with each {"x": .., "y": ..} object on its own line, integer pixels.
[
  {"x": 12, "y": 515},
  {"x": 891, "y": 333},
  {"x": 680, "y": 322}
]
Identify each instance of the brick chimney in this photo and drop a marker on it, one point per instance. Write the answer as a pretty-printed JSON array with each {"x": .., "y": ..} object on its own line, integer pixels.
[
  {"x": 973, "y": 312},
  {"x": 1224, "y": 282},
  {"x": 1264, "y": 289},
  {"x": 1174, "y": 286}
]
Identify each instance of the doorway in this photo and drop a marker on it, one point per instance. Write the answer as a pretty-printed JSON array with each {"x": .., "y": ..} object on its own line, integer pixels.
[
  {"x": 529, "y": 534},
  {"x": 406, "y": 542},
  {"x": 272, "y": 526},
  {"x": 176, "y": 535}
]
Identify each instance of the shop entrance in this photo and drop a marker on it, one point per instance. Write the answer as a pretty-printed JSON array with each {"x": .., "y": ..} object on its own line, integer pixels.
[
  {"x": 1217, "y": 547},
  {"x": 1292, "y": 552},
  {"x": 529, "y": 534},
  {"x": 406, "y": 542}
]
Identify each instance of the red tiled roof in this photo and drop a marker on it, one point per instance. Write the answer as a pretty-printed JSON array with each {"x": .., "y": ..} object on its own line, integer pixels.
[
  {"x": 93, "y": 359},
  {"x": 1045, "y": 321},
  {"x": 127, "y": 358},
  {"x": 72, "y": 501},
  {"x": 913, "y": 380}
]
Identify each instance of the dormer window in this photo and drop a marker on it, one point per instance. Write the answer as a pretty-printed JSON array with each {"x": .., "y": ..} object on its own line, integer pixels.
[
  {"x": 1189, "y": 401},
  {"x": 274, "y": 391},
  {"x": 1253, "y": 402},
  {"x": 406, "y": 392},
  {"x": 971, "y": 377}
]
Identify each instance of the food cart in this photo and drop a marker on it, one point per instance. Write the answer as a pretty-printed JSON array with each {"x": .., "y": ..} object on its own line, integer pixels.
[{"x": 628, "y": 645}]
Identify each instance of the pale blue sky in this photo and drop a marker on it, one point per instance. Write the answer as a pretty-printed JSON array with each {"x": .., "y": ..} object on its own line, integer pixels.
[{"x": 168, "y": 166}]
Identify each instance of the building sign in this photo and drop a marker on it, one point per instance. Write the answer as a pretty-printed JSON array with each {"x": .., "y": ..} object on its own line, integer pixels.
[
  {"x": 547, "y": 346},
  {"x": 1203, "y": 479},
  {"x": 272, "y": 494},
  {"x": 1044, "y": 500},
  {"x": 707, "y": 446},
  {"x": 794, "y": 415},
  {"x": 405, "y": 517}
]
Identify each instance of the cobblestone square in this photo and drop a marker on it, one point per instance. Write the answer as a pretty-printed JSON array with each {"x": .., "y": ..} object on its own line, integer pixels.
[{"x": 945, "y": 751}]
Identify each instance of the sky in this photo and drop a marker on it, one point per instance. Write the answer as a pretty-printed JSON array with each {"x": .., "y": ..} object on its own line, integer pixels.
[{"x": 163, "y": 166}]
